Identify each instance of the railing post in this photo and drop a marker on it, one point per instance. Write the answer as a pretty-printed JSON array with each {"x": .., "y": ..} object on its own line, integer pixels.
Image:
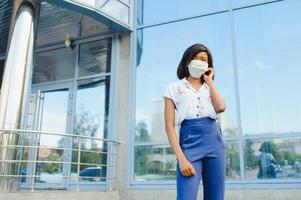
[
  {"x": 34, "y": 164},
  {"x": 78, "y": 164},
  {"x": 110, "y": 165}
]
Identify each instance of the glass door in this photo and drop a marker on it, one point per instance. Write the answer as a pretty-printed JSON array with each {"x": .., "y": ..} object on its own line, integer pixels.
[
  {"x": 51, "y": 112},
  {"x": 90, "y": 119}
]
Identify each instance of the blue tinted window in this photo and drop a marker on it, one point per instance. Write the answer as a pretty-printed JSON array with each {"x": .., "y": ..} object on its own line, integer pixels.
[
  {"x": 163, "y": 47},
  {"x": 157, "y": 11},
  {"x": 268, "y": 55}
]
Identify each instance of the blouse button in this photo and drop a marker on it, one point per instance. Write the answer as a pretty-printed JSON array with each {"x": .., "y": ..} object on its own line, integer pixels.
[
  {"x": 197, "y": 115},
  {"x": 197, "y": 106},
  {"x": 199, "y": 98}
]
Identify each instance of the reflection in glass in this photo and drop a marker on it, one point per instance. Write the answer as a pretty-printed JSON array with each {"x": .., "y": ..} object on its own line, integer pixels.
[
  {"x": 23, "y": 154},
  {"x": 55, "y": 23},
  {"x": 273, "y": 159},
  {"x": 88, "y": 173},
  {"x": 114, "y": 9},
  {"x": 157, "y": 11},
  {"x": 159, "y": 162},
  {"x": 154, "y": 163},
  {"x": 5, "y": 21},
  {"x": 158, "y": 67},
  {"x": 139, "y": 5},
  {"x": 54, "y": 65},
  {"x": 240, "y": 3},
  {"x": 232, "y": 160},
  {"x": 92, "y": 107},
  {"x": 53, "y": 119},
  {"x": 268, "y": 47},
  {"x": 95, "y": 57},
  {"x": 117, "y": 9}
]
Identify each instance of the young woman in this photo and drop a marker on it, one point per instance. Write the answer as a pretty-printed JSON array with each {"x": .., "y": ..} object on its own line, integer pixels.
[{"x": 200, "y": 150}]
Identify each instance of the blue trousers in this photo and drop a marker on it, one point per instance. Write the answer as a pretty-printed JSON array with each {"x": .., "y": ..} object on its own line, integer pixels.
[{"x": 202, "y": 144}]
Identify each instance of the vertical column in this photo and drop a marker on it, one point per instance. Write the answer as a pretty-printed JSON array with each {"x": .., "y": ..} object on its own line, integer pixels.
[{"x": 15, "y": 86}]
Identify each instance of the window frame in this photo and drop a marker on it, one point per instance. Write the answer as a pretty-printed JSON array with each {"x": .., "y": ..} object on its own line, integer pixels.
[{"x": 243, "y": 182}]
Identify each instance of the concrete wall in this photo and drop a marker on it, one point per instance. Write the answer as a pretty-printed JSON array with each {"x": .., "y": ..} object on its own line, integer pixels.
[
  {"x": 59, "y": 195},
  {"x": 268, "y": 194},
  {"x": 256, "y": 194},
  {"x": 122, "y": 120}
]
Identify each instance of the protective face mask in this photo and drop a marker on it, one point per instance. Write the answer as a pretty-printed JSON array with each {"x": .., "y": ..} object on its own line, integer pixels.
[{"x": 197, "y": 68}]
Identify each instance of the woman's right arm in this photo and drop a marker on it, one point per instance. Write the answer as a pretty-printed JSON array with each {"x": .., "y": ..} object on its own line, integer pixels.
[{"x": 169, "y": 114}]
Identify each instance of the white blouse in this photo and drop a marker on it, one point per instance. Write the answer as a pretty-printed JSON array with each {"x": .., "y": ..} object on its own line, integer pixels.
[{"x": 190, "y": 103}]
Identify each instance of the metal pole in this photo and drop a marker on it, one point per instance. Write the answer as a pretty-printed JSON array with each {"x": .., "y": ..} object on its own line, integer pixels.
[
  {"x": 34, "y": 164},
  {"x": 109, "y": 164},
  {"x": 78, "y": 164},
  {"x": 15, "y": 85}
]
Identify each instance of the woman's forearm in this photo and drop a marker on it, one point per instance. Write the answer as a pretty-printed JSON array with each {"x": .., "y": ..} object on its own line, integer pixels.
[
  {"x": 218, "y": 102},
  {"x": 174, "y": 142}
]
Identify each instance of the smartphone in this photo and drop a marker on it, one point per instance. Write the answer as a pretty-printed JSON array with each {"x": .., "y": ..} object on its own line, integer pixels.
[{"x": 207, "y": 73}]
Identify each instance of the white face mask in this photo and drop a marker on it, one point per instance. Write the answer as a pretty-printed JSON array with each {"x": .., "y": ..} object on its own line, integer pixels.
[{"x": 197, "y": 68}]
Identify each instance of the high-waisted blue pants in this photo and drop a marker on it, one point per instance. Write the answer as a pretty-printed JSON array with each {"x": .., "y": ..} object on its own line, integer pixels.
[{"x": 202, "y": 143}]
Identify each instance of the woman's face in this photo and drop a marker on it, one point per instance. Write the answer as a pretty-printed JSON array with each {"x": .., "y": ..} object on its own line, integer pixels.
[{"x": 201, "y": 56}]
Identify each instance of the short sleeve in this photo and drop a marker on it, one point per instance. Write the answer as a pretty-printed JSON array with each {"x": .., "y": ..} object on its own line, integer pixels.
[{"x": 168, "y": 92}]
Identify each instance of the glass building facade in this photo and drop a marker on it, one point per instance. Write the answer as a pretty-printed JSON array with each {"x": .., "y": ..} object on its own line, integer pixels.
[
  {"x": 90, "y": 103},
  {"x": 255, "y": 47},
  {"x": 64, "y": 138}
]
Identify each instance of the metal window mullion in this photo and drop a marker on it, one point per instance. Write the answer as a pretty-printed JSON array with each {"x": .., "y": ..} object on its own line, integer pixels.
[
  {"x": 101, "y": 75},
  {"x": 132, "y": 96},
  {"x": 178, "y": 19},
  {"x": 71, "y": 116},
  {"x": 112, "y": 107},
  {"x": 36, "y": 138},
  {"x": 51, "y": 86},
  {"x": 77, "y": 41},
  {"x": 236, "y": 88},
  {"x": 256, "y": 4},
  {"x": 126, "y": 4},
  {"x": 131, "y": 14},
  {"x": 67, "y": 154},
  {"x": 31, "y": 137},
  {"x": 67, "y": 81}
]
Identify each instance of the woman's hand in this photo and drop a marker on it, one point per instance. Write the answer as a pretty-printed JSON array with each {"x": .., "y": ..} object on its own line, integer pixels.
[
  {"x": 208, "y": 75},
  {"x": 217, "y": 100},
  {"x": 186, "y": 167}
]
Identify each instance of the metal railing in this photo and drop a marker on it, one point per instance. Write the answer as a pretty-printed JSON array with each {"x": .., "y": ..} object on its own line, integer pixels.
[{"x": 28, "y": 140}]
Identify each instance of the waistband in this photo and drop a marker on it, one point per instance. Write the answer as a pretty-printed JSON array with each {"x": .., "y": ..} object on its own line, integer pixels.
[{"x": 187, "y": 122}]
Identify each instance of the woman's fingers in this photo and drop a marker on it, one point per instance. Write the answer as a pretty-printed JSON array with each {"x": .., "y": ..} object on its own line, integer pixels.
[
  {"x": 189, "y": 171},
  {"x": 192, "y": 170},
  {"x": 185, "y": 172}
]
